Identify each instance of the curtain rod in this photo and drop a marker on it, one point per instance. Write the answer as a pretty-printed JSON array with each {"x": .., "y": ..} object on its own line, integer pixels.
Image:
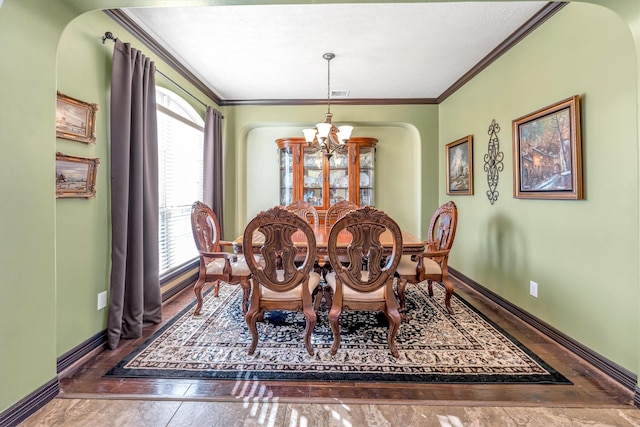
[{"x": 109, "y": 36}]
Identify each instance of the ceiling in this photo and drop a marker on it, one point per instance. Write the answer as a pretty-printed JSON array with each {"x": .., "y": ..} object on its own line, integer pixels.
[{"x": 387, "y": 51}]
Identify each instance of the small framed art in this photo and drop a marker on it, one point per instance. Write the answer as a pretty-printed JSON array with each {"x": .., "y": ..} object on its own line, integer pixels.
[
  {"x": 75, "y": 176},
  {"x": 547, "y": 153},
  {"x": 75, "y": 119},
  {"x": 460, "y": 166}
]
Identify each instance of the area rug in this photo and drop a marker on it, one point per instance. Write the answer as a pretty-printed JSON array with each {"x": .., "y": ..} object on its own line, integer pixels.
[{"x": 434, "y": 346}]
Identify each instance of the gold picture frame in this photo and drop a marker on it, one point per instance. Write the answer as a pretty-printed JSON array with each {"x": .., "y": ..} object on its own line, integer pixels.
[
  {"x": 75, "y": 176},
  {"x": 547, "y": 153},
  {"x": 460, "y": 167},
  {"x": 75, "y": 119}
]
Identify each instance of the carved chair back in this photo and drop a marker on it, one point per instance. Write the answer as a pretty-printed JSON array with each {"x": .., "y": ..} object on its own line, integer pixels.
[
  {"x": 276, "y": 227},
  {"x": 365, "y": 225},
  {"x": 205, "y": 227},
  {"x": 304, "y": 210},
  {"x": 337, "y": 211},
  {"x": 442, "y": 228}
]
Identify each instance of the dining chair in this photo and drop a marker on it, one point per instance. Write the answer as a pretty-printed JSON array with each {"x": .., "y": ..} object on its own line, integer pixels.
[
  {"x": 216, "y": 265},
  {"x": 334, "y": 213},
  {"x": 355, "y": 288},
  {"x": 337, "y": 211},
  {"x": 278, "y": 283},
  {"x": 304, "y": 210},
  {"x": 432, "y": 265}
]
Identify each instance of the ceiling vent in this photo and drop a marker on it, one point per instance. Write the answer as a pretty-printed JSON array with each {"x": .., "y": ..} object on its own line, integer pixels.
[{"x": 339, "y": 93}]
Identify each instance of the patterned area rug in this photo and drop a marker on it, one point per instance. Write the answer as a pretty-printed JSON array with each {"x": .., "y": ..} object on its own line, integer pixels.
[{"x": 434, "y": 347}]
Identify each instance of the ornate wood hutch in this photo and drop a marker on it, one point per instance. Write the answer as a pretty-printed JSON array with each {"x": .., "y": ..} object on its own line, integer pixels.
[{"x": 306, "y": 174}]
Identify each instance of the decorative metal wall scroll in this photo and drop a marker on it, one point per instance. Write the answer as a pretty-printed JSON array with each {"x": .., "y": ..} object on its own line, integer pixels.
[{"x": 493, "y": 162}]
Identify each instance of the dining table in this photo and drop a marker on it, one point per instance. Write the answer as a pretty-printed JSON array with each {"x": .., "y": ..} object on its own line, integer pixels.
[{"x": 411, "y": 245}]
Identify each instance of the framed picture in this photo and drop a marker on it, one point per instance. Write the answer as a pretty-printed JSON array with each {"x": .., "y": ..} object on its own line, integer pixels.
[
  {"x": 547, "y": 153},
  {"x": 75, "y": 120},
  {"x": 75, "y": 176},
  {"x": 460, "y": 166}
]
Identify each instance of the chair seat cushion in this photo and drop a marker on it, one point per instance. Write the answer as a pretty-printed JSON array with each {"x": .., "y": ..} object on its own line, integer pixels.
[
  {"x": 238, "y": 268},
  {"x": 408, "y": 267},
  {"x": 352, "y": 294},
  {"x": 268, "y": 294}
]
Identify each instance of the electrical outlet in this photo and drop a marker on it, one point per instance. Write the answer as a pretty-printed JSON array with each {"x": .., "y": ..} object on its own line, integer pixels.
[
  {"x": 533, "y": 289},
  {"x": 102, "y": 300}
]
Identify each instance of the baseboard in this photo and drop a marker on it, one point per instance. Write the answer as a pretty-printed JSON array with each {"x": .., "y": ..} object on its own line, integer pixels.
[
  {"x": 80, "y": 351},
  {"x": 30, "y": 404},
  {"x": 619, "y": 374}
]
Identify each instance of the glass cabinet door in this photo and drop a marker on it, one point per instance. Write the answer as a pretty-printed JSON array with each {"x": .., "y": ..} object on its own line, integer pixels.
[
  {"x": 367, "y": 177},
  {"x": 286, "y": 176},
  {"x": 338, "y": 178},
  {"x": 306, "y": 174},
  {"x": 313, "y": 179}
]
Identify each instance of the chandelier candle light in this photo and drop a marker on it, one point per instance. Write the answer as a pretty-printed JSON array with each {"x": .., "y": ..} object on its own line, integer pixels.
[{"x": 326, "y": 136}]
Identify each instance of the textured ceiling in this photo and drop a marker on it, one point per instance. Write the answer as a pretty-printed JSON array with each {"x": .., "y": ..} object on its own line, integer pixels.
[{"x": 383, "y": 50}]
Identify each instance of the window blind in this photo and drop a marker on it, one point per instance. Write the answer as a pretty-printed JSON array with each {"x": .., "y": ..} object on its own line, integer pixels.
[{"x": 180, "y": 150}]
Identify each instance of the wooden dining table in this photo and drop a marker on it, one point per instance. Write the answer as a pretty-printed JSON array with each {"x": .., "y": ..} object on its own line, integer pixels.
[{"x": 411, "y": 245}]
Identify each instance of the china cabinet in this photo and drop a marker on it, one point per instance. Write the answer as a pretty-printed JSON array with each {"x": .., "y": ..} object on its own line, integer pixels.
[{"x": 305, "y": 174}]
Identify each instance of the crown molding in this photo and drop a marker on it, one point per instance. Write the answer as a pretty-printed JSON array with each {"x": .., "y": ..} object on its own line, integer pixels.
[
  {"x": 334, "y": 101},
  {"x": 546, "y": 12}
]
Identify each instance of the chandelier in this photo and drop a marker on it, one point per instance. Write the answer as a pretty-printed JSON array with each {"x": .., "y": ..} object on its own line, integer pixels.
[{"x": 326, "y": 136}]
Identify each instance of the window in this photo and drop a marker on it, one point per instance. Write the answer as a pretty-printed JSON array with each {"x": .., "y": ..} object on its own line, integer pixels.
[{"x": 180, "y": 145}]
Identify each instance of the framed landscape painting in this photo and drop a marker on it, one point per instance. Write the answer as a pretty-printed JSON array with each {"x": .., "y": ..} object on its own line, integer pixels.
[
  {"x": 460, "y": 166},
  {"x": 75, "y": 119},
  {"x": 75, "y": 176},
  {"x": 547, "y": 153}
]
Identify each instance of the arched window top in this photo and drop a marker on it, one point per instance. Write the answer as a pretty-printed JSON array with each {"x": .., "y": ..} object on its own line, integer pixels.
[{"x": 177, "y": 105}]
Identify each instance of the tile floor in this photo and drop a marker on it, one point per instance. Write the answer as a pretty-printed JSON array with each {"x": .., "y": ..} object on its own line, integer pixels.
[{"x": 259, "y": 412}]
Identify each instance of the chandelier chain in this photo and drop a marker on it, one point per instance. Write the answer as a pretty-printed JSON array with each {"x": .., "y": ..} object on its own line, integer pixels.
[{"x": 329, "y": 84}]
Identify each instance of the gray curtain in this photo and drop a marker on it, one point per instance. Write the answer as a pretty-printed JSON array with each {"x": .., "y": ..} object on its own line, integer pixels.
[
  {"x": 135, "y": 298},
  {"x": 212, "y": 167}
]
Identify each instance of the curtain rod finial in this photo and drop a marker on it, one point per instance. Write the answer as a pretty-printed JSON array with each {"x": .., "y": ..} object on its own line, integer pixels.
[{"x": 108, "y": 36}]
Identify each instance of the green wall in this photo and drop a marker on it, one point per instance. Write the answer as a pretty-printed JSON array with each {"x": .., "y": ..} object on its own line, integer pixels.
[
  {"x": 45, "y": 310},
  {"x": 583, "y": 254},
  {"x": 83, "y": 225},
  {"x": 27, "y": 229}
]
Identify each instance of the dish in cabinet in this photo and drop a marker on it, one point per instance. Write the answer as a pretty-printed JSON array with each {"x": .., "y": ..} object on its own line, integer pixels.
[
  {"x": 342, "y": 182},
  {"x": 364, "y": 179}
]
